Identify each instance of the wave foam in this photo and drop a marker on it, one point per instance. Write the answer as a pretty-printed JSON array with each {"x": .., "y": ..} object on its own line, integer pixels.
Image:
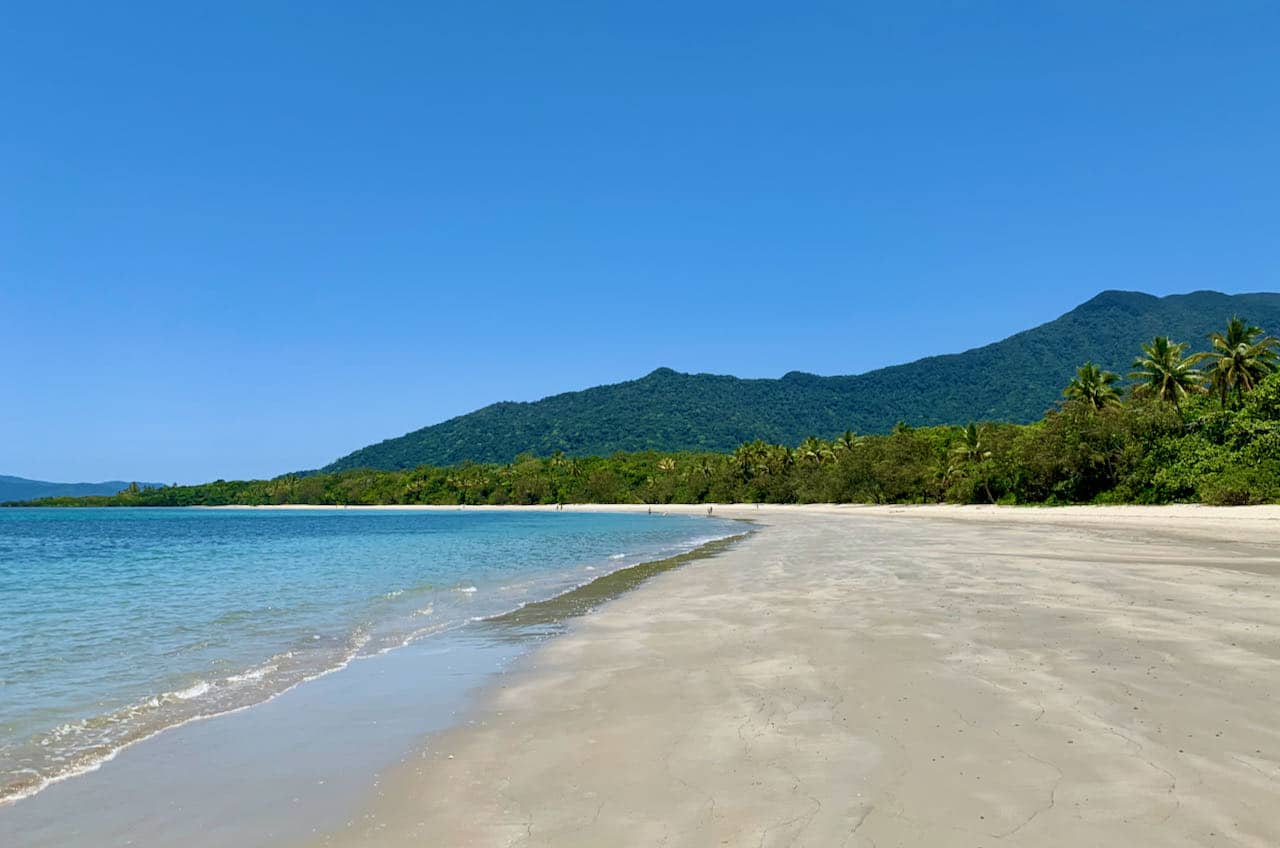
[
  {"x": 195, "y": 690},
  {"x": 252, "y": 674}
]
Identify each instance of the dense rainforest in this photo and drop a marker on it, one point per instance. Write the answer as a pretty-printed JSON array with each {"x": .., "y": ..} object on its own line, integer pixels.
[
  {"x": 1186, "y": 427},
  {"x": 1011, "y": 380}
]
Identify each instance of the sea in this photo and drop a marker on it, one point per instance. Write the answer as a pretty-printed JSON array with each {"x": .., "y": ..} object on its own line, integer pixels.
[{"x": 117, "y": 625}]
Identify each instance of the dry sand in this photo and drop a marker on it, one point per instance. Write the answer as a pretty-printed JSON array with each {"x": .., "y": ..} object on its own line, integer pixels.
[{"x": 891, "y": 677}]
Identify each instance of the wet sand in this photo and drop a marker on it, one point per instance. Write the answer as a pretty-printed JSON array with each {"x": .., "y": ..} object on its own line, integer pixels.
[
  {"x": 275, "y": 773},
  {"x": 303, "y": 762},
  {"x": 890, "y": 676}
]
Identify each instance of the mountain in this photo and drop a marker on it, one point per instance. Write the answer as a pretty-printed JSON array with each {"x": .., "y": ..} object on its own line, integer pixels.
[
  {"x": 1016, "y": 379},
  {"x": 22, "y": 489}
]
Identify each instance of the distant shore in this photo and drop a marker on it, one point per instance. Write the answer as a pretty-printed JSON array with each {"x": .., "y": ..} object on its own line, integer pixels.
[
  {"x": 1195, "y": 511},
  {"x": 1223, "y": 523},
  {"x": 889, "y": 675}
]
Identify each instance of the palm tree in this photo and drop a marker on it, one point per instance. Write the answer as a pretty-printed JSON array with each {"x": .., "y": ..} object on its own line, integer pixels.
[
  {"x": 1093, "y": 386},
  {"x": 1162, "y": 372},
  {"x": 813, "y": 451},
  {"x": 846, "y": 442},
  {"x": 751, "y": 459},
  {"x": 779, "y": 459},
  {"x": 972, "y": 451},
  {"x": 1239, "y": 359}
]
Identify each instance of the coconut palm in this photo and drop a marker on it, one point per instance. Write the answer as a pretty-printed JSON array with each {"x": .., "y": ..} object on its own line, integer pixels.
[
  {"x": 1239, "y": 359},
  {"x": 813, "y": 451},
  {"x": 779, "y": 459},
  {"x": 1093, "y": 386},
  {"x": 846, "y": 442},
  {"x": 1162, "y": 372},
  {"x": 972, "y": 451},
  {"x": 751, "y": 459}
]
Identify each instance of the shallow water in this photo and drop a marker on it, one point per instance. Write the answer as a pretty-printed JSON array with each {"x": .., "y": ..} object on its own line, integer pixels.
[{"x": 118, "y": 623}]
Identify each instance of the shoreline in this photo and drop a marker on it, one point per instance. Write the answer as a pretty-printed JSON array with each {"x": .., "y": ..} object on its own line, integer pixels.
[
  {"x": 510, "y": 633},
  {"x": 1273, "y": 509},
  {"x": 1264, "y": 514},
  {"x": 888, "y": 675}
]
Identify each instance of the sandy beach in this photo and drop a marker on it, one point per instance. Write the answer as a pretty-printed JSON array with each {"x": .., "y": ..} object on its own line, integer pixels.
[{"x": 918, "y": 676}]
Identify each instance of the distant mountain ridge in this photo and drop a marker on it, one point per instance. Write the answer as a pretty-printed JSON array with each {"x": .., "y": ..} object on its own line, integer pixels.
[
  {"x": 1015, "y": 379},
  {"x": 22, "y": 489}
]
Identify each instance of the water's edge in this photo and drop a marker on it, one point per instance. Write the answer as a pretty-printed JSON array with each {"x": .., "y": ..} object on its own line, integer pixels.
[
  {"x": 523, "y": 629},
  {"x": 547, "y": 617},
  {"x": 530, "y": 622}
]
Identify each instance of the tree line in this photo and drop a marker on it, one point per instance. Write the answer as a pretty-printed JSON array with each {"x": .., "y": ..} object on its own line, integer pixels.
[{"x": 1202, "y": 428}]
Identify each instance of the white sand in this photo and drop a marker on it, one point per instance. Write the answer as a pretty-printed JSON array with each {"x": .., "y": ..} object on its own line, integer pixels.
[{"x": 922, "y": 676}]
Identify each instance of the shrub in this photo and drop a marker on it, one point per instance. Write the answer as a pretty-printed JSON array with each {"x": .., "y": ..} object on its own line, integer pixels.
[{"x": 1240, "y": 485}]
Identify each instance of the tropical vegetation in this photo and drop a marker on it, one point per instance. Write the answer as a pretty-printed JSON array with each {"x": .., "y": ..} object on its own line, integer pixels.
[
  {"x": 1011, "y": 380},
  {"x": 1094, "y": 387},
  {"x": 1164, "y": 373},
  {"x": 1174, "y": 434},
  {"x": 1239, "y": 360}
]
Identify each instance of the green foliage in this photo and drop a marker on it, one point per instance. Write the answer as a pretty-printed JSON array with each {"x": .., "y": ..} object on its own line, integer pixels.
[
  {"x": 1093, "y": 387},
  {"x": 1089, "y": 449},
  {"x": 1263, "y": 403},
  {"x": 1240, "y": 359},
  {"x": 1238, "y": 485},
  {"x": 1162, "y": 372},
  {"x": 1016, "y": 379},
  {"x": 971, "y": 465}
]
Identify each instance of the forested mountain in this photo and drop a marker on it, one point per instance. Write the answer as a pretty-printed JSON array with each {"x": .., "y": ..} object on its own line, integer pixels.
[
  {"x": 22, "y": 489},
  {"x": 1016, "y": 380}
]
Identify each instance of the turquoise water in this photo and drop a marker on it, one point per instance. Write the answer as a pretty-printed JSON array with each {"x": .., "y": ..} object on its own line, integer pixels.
[{"x": 118, "y": 623}]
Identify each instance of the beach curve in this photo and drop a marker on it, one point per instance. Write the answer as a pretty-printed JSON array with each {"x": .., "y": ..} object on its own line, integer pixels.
[{"x": 908, "y": 676}]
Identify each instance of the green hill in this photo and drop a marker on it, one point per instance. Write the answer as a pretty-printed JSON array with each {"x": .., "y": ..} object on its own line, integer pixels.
[
  {"x": 22, "y": 489},
  {"x": 1015, "y": 379}
]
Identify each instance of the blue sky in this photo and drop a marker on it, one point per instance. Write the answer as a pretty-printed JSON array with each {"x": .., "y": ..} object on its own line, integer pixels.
[{"x": 248, "y": 238}]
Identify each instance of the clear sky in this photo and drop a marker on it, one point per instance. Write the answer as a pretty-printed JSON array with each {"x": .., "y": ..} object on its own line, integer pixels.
[{"x": 243, "y": 239}]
